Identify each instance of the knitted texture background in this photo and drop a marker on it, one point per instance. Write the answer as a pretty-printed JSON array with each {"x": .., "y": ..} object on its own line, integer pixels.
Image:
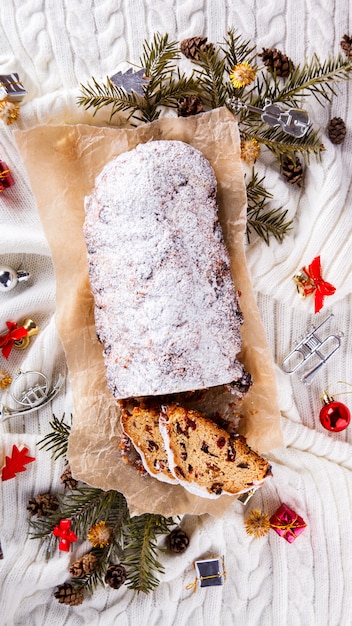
[{"x": 55, "y": 46}]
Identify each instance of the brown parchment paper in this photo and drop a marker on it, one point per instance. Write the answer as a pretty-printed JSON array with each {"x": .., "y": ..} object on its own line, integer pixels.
[{"x": 62, "y": 163}]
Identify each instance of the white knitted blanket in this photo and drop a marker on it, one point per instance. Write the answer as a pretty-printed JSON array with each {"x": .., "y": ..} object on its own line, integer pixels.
[{"x": 55, "y": 46}]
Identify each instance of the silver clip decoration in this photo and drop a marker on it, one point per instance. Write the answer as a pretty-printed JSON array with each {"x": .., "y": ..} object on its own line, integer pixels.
[
  {"x": 32, "y": 398},
  {"x": 313, "y": 345},
  {"x": 293, "y": 121}
]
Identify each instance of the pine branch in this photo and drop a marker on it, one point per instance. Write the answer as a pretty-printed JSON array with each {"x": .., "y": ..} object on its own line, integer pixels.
[
  {"x": 312, "y": 78},
  {"x": 266, "y": 223},
  {"x": 211, "y": 78},
  {"x": 237, "y": 50},
  {"x": 57, "y": 440},
  {"x": 97, "y": 96},
  {"x": 140, "y": 554},
  {"x": 280, "y": 143}
]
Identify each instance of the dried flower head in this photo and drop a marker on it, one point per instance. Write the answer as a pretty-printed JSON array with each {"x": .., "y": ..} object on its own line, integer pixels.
[
  {"x": 242, "y": 75},
  {"x": 8, "y": 111},
  {"x": 100, "y": 535},
  {"x": 5, "y": 379},
  {"x": 250, "y": 150},
  {"x": 257, "y": 523}
]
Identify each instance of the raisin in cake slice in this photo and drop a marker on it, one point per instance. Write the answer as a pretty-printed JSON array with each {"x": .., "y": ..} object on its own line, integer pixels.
[
  {"x": 166, "y": 309},
  {"x": 141, "y": 425},
  {"x": 206, "y": 459}
]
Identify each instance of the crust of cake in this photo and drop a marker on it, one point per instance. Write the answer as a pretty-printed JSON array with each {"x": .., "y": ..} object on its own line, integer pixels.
[
  {"x": 206, "y": 459},
  {"x": 141, "y": 425},
  {"x": 166, "y": 310}
]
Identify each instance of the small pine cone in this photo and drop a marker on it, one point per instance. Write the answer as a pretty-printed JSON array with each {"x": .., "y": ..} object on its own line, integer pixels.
[
  {"x": 277, "y": 62},
  {"x": 177, "y": 540},
  {"x": 67, "y": 594},
  {"x": 115, "y": 576},
  {"x": 192, "y": 46},
  {"x": 68, "y": 480},
  {"x": 337, "y": 130},
  {"x": 83, "y": 566},
  {"x": 42, "y": 505},
  {"x": 189, "y": 105},
  {"x": 292, "y": 170},
  {"x": 346, "y": 45}
]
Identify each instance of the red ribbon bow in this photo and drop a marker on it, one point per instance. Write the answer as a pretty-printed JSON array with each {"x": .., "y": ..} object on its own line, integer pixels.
[
  {"x": 317, "y": 283},
  {"x": 67, "y": 536},
  {"x": 7, "y": 341}
]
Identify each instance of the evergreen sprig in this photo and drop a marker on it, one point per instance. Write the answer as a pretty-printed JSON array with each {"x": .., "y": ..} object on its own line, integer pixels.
[
  {"x": 314, "y": 78},
  {"x": 57, "y": 439},
  {"x": 163, "y": 87},
  {"x": 140, "y": 554},
  {"x": 260, "y": 219}
]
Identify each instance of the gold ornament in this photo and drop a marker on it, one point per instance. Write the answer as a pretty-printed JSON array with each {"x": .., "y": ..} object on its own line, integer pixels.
[
  {"x": 32, "y": 329},
  {"x": 257, "y": 523},
  {"x": 250, "y": 150},
  {"x": 5, "y": 379},
  {"x": 9, "y": 111},
  {"x": 242, "y": 75},
  {"x": 100, "y": 535}
]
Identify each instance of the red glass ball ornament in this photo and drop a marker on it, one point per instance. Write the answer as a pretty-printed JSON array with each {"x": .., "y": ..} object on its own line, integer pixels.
[{"x": 334, "y": 416}]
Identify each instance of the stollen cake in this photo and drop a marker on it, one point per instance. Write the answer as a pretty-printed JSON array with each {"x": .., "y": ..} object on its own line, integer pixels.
[
  {"x": 166, "y": 310},
  {"x": 141, "y": 425},
  {"x": 206, "y": 459}
]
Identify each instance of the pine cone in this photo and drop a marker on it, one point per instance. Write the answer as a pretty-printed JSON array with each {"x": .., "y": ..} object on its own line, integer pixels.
[
  {"x": 346, "y": 45},
  {"x": 177, "y": 540},
  {"x": 67, "y": 479},
  {"x": 337, "y": 130},
  {"x": 189, "y": 105},
  {"x": 192, "y": 46},
  {"x": 277, "y": 62},
  {"x": 67, "y": 594},
  {"x": 115, "y": 576},
  {"x": 292, "y": 170},
  {"x": 83, "y": 565},
  {"x": 42, "y": 504}
]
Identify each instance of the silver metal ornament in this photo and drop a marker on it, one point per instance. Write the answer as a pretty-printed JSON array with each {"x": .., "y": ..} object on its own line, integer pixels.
[
  {"x": 30, "y": 398},
  {"x": 9, "y": 278}
]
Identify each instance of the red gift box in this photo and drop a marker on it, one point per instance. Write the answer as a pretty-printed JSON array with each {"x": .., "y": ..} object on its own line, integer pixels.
[
  {"x": 287, "y": 523},
  {"x": 6, "y": 179}
]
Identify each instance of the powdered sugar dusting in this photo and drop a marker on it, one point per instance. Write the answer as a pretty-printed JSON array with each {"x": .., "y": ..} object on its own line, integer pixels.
[{"x": 165, "y": 306}]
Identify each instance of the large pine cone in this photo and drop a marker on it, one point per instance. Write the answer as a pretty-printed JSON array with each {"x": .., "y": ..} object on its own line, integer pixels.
[
  {"x": 189, "y": 105},
  {"x": 115, "y": 576},
  {"x": 292, "y": 170},
  {"x": 177, "y": 540},
  {"x": 192, "y": 46},
  {"x": 67, "y": 594},
  {"x": 67, "y": 479},
  {"x": 277, "y": 62},
  {"x": 42, "y": 504},
  {"x": 84, "y": 565},
  {"x": 337, "y": 130},
  {"x": 346, "y": 45}
]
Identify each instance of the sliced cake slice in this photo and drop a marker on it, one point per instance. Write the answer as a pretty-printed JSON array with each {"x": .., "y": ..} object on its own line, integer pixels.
[
  {"x": 205, "y": 458},
  {"x": 141, "y": 425}
]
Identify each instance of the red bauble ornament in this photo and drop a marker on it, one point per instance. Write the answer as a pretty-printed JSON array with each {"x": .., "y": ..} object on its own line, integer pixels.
[{"x": 334, "y": 416}]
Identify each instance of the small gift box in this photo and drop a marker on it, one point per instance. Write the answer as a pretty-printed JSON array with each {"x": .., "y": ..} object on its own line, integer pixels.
[
  {"x": 210, "y": 572},
  {"x": 287, "y": 523},
  {"x": 15, "y": 91},
  {"x": 6, "y": 179}
]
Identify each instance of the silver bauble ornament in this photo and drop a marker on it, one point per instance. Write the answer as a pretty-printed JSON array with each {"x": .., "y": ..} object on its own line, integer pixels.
[{"x": 9, "y": 277}]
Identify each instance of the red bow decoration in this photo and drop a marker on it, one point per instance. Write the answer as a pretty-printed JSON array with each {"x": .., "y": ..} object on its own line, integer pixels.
[
  {"x": 311, "y": 281},
  {"x": 67, "y": 536},
  {"x": 14, "y": 334}
]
